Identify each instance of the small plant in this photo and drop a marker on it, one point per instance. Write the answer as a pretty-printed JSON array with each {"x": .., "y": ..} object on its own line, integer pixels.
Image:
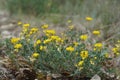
[{"x": 72, "y": 53}]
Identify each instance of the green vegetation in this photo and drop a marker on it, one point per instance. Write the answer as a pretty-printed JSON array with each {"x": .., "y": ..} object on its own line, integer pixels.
[{"x": 72, "y": 52}]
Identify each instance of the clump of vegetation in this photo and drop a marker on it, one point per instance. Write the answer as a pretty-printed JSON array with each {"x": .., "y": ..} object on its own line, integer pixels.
[{"x": 71, "y": 54}]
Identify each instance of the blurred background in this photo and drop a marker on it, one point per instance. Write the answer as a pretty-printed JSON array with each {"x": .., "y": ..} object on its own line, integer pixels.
[{"x": 105, "y": 14}]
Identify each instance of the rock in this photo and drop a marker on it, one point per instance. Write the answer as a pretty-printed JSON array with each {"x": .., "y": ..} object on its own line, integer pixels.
[
  {"x": 6, "y": 34},
  {"x": 56, "y": 75},
  {"x": 7, "y": 27},
  {"x": 96, "y": 77},
  {"x": 3, "y": 19},
  {"x": 4, "y": 15}
]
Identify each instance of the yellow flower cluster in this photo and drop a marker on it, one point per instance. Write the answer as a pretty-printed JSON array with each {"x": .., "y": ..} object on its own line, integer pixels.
[
  {"x": 80, "y": 65},
  {"x": 45, "y": 26},
  {"x": 84, "y": 54},
  {"x": 116, "y": 50},
  {"x": 98, "y": 46},
  {"x": 26, "y": 25},
  {"x": 37, "y": 43},
  {"x": 76, "y": 43},
  {"x": 46, "y": 41},
  {"x": 53, "y": 38},
  {"x": 49, "y": 32},
  {"x": 89, "y": 18},
  {"x": 27, "y": 32},
  {"x": 83, "y": 37},
  {"x": 35, "y": 55},
  {"x": 33, "y": 30},
  {"x": 56, "y": 38},
  {"x": 14, "y": 40},
  {"x": 96, "y": 32},
  {"x": 17, "y": 46},
  {"x": 43, "y": 48},
  {"x": 70, "y": 48},
  {"x": 25, "y": 28}
]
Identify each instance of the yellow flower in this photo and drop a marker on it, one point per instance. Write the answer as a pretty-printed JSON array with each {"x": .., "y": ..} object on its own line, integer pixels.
[
  {"x": 14, "y": 40},
  {"x": 37, "y": 43},
  {"x": 26, "y": 25},
  {"x": 59, "y": 40},
  {"x": 96, "y": 32},
  {"x": 83, "y": 37},
  {"x": 33, "y": 30},
  {"x": 19, "y": 23},
  {"x": 76, "y": 43},
  {"x": 89, "y": 18},
  {"x": 98, "y": 45},
  {"x": 80, "y": 63},
  {"x": 17, "y": 46},
  {"x": 84, "y": 54},
  {"x": 42, "y": 48},
  {"x": 45, "y": 26},
  {"x": 115, "y": 50},
  {"x": 25, "y": 30},
  {"x": 70, "y": 48},
  {"x": 47, "y": 41},
  {"x": 49, "y": 32},
  {"x": 35, "y": 55},
  {"x": 55, "y": 37}
]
